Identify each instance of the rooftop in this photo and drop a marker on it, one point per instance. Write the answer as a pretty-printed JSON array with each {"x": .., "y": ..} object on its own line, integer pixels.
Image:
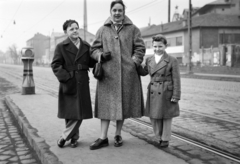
[{"x": 207, "y": 20}]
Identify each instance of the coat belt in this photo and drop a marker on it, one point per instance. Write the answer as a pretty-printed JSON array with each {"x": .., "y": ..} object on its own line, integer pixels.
[
  {"x": 76, "y": 67},
  {"x": 161, "y": 79}
]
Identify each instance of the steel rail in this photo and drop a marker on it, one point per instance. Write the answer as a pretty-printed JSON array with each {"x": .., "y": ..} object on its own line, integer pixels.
[
  {"x": 205, "y": 115},
  {"x": 192, "y": 142},
  {"x": 183, "y": 110}
]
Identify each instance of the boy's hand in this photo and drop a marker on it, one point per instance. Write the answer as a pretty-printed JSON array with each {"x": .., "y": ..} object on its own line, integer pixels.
[{"x": 174, "y": 100}]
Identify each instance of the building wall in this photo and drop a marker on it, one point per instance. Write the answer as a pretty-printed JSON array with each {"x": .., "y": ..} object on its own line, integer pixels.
[
  {"x": 39, "y": 49},
  {"x": 209, "y": 37},
  {"x": 195, "y": 45}
]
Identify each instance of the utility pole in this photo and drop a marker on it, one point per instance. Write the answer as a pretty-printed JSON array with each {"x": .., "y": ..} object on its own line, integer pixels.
[
  {"x": 169, "y": 10},
  {"x": 189, "y": 67},
  {"x": 85, "y": 19}
]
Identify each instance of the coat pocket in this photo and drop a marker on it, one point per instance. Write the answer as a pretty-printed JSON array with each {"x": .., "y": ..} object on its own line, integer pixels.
[
  {"x": 70, "y": 87},
  {"x": 169, "y": 92}
]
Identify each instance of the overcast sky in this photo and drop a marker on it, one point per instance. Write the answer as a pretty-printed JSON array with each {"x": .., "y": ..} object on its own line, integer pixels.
[{"x": 45, "y": 16}]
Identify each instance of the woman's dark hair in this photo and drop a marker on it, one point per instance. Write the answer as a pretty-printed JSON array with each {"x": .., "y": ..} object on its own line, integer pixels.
[
  {"x": 68, "y": 23},
  {"x": 159, "y": 38},
  {"x": 117, "y": 2}
]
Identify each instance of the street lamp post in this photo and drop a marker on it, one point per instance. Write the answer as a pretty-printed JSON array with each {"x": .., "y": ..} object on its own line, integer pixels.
[
  {"x": 189, "y": 67},
  {"x": 169, "y": 10},
  {"x": 85, "y": 19}
]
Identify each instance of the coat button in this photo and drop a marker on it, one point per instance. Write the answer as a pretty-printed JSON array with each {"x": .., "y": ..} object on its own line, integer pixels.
[
  {"x": 159, "y": 93},
  {"x": 151, "y": 92}
]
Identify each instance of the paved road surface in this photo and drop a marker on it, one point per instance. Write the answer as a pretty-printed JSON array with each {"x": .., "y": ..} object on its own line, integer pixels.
[{"x": 217, "y": 99}]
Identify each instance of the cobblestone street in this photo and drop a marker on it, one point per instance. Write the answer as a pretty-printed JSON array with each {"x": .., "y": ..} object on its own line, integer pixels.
[{"x": 14, "y": 148}]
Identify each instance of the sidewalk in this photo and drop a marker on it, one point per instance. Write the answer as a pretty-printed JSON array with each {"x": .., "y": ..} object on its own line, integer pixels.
[{"x": 37, "y": 116}]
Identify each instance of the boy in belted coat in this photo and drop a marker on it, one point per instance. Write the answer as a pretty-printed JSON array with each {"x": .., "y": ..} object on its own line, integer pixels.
[
  {"x": 70, "y": 65},
  {"x": 164, "y": 90}
]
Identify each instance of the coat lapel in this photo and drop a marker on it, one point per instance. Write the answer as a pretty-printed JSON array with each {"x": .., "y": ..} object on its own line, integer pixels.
[
  {"x": 126, "y": 21},
  {"x": 161, "y": 64},
  {"x": 82, "y": 49},
  {"x": 152, "y": 64},
  {"x": 70, "y": 47}
]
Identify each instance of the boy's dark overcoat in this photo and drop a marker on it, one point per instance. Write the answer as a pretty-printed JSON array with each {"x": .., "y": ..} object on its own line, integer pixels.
[
  {"x": 165, "y": 84},
  {"x": 119, "y": 93},
  {"x": 74, "y": 100}
]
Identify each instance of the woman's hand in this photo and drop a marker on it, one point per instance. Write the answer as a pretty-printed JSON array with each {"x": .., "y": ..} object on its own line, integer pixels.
[{"x": 105, "y": 56}]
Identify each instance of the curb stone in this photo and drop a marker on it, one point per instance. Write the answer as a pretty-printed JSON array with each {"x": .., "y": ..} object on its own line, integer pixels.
[{"x": 41, "y": 148}]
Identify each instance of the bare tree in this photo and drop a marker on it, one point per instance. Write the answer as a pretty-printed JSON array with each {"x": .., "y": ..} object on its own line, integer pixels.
[
  {"x": 13, "y": 53},
  {"x": 2, "y": 57}
]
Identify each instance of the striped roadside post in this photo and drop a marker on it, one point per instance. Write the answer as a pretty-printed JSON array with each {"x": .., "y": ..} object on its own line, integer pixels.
[{"x": 28, "y": 86}]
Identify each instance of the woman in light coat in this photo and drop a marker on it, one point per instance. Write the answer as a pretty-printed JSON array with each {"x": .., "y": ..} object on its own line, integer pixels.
[
  {"x": 164, "y": 90},
  {"x": 119, "y": 93}
]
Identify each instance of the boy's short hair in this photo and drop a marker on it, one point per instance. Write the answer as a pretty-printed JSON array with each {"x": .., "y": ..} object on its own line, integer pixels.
[
  {"x": 68, "y": 23},
  {"x": 159, "y": 38}
]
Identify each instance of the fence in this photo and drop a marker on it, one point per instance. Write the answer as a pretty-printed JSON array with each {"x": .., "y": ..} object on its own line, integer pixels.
[{"x": 224, "y": 55}]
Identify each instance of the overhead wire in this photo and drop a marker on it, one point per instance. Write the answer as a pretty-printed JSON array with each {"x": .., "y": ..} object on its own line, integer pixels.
[
  {"x": 127, "y": 12},
  {"x": 45, "y": 16},
  {"x": 40, "y": 20},
  {"x": 12, "y": 17}
]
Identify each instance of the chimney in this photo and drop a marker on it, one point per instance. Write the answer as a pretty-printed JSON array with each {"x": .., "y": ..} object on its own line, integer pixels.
[
  {"x": 149, "y": 23},
  {"x": 184, "y": 23},
  {"x": 161, "y": 27}
]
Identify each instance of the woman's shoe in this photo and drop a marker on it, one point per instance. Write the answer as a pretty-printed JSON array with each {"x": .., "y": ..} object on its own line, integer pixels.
[
  {"x": 164, "y": 144},
  {"x": 61, "y": 142},
  {"x": 99, "y": 143},
  {"x": 74, "y": 143},
  {"x": 118, "y": 141}
]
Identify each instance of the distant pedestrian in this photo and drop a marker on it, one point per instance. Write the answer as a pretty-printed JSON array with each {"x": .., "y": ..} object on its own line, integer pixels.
[
  {"x": 119, "y": 93},
  {"x": 164, "y": 90},
  {"x": 70, "y": 65}
]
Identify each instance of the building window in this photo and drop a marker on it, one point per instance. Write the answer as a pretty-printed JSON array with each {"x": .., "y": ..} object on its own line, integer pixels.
[
  {"x": 171, "y": 42},
  {"x": 179, "y": 41},
  {"x": 175, "y": 41},
  {"x": 229, "y": 38},
  {"x": 148, "y": 44}
]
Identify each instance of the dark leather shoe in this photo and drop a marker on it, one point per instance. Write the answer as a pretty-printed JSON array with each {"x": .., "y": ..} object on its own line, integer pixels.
[
  {"x": 164, "y": 144},
  {"x": 118, "y": 141},
  {"x": 99, "y": 143},
  {"x": 61, "y": 142},
  {"x": 74, "y": 143}
]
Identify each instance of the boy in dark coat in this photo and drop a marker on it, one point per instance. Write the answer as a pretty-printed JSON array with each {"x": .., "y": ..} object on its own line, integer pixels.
[
  {"x": 70, "y": 65},
  {"x": 164, "y": 90}
]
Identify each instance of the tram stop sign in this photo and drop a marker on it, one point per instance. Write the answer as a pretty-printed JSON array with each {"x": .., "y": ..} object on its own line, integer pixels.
[
  {"x": 27, "y": 53},
  {"x": 28, "y": 86}
]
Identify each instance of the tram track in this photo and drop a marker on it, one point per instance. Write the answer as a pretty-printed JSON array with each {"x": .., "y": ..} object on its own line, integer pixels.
[
  {"x": 193, "y": 142},
  {"x": 53, "y": 91},
  {"x": 212, "y": 117}
]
